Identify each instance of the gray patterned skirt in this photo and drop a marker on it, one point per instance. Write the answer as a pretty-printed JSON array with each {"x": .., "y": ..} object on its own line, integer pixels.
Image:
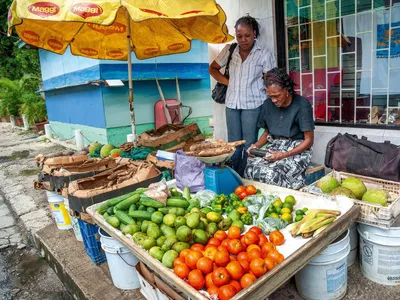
[{"x": 289, "y": 172}]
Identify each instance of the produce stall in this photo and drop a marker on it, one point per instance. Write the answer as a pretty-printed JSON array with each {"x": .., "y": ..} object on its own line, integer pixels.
[{"x": 297, "y": 251}]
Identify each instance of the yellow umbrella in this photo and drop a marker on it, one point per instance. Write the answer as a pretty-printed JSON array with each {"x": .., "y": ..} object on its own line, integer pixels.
[{"x": 111, "y": 29}]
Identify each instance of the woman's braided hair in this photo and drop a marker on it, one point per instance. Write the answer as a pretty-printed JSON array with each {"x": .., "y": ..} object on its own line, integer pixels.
[
  {"x": 279, "y": 77},
  {"x": 249, "y": 21}
]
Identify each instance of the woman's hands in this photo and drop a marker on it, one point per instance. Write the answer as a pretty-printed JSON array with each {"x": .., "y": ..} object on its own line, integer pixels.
[
  {"x": 253, "y": 146},
  {"x": 275, "y": 155}
]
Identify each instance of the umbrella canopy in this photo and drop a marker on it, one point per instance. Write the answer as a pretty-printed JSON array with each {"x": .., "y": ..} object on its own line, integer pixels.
[{"x": 111, "y": 29}]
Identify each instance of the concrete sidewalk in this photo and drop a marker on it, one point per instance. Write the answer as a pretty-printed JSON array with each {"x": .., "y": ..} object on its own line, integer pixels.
[{"x": 66, "y": 256}]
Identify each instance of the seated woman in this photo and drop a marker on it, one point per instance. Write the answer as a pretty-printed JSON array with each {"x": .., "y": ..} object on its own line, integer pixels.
[{"x": 289, "y": 131}]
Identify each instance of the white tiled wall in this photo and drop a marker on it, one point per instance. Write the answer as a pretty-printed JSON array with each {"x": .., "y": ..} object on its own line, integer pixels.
[{"x": 323, "y": 134}]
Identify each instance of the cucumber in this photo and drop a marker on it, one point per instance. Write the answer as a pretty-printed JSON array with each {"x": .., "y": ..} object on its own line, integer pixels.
[
  {"x": 113, "y": 221},
  {"x": 164, "y": 210},
  {"x": 116, "y": 200},
  {"x": 142, "y": 208},
  {"x": 125, "y": 204},
  {"x": 151, "y": 209},
  {"x": 122, "y": 226},
  {"x": 106, "y": 215},
  {"x": 102, "y": 208},
  {"x": 146, "y": 201},
  {"x": 132, "y": 208},
  {"x": 177, "y": 202},
  {"x": 124, "y": 217},
  {"x": 110, "y": 210},
  {"x": 115, "y": 208},
  {"x": 186, "y": 193},
  {"x": 144, "y": 215}
]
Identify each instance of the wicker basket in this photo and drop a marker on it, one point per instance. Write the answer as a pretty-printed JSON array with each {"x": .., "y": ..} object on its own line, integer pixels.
[{"x": 371, "y": 214}]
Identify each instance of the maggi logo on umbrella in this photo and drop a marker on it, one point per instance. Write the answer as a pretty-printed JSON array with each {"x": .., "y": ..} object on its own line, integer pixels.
[
  {"x": 89, "y": 51},
  {"x": 86, "y": 10},
  {"x": 107, "y": 30},
  {"x": 31, "y": 36},
  {"x": 54, "y": 44},
  {"x": 115, "y": 53},
  {"x": 176, "y": 46},
  {"x": 44, "y": 9},
  {"x": 151, "y": 51}
]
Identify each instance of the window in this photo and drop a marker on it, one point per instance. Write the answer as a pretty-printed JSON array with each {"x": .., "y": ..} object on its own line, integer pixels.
[{"x": 344, "y": 56}]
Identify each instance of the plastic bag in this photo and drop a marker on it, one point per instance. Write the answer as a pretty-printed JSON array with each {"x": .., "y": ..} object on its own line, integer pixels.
[
  {"x": 268, "y": 225},
  {"x": 205, "y": 197},
  {"x": 258, "y": 204},
  {"x": 158, "y": 191},
  {"x": 189, "y": 172}
]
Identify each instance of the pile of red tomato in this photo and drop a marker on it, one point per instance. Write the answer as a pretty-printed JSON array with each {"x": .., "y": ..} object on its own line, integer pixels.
[
  {"x": 230, "y": 261},
  {"x": 244, "y": 191}
]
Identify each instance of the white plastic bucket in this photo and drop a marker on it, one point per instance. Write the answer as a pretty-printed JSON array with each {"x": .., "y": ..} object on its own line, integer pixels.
[
  {"x": 58, "y": 211},
  {"x": 380, "y": 253},
  {"x": 121, "y": 263},
  {"x": 325, "y": 276},
  {"x": 74, "y": 222},
  {"x": 351, "y": 259}
]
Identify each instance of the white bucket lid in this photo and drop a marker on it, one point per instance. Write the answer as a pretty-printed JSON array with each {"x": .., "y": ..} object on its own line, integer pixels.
[{"x": 388, "y": 237}]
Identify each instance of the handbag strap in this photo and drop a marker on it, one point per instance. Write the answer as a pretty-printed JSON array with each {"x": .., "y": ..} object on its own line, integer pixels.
[{"x": 231, "y": 49}]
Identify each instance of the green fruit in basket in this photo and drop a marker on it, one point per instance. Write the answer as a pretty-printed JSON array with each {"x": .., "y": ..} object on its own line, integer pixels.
[
  {"x": 278, "y": 210},
  {"x": 145, "y": 225},
  {"x": 274, "y": 215},
  {"x": 131, "y": 229},
  {"x": 161, "y": 240},
  {"x": 201, "y": 225},
  {"x": 299, "y": 218},
  {"x": 239, "y": 224},
  {"x": 277, "y": 203},
  {"x": 305, "y": 209},
  {"x": 375, "y": 196},
  {"x": 327, "y": 183},
  {"x": 148, "y": 243},
  {"x": 157, "y": 217},
  {"x": 290, "y": 199},
  {"x": 167, "y": 231},
  {"x": 179, "y": 221},
  {"x": 211, "y": 228},
  {"x": 271, "y": 209},
  {"x": 154, "y": 231},
  {"x": 225, "y": 224},
  {"x": 179, "y": 246},
  {"x": 287, "y": 205},
  {"x": 169, "y": 220},
  {"x": 184, "y": 234},
  {"x": 234, "y": 215},
  {"x": 179, "y": 211},
  {"x": 169, "y": 242},
  {"x": 156, "y": 252},
  {"x": 287, "y": 217},
  {"x": 200, "y": 236},
  {"x": 299, "y": 212},
  {"x": 355, "y": 185},
  {"x": 344, "y": 192},
  {"x": 193, "y": 220},
  {"x": 169, "y": 258}
]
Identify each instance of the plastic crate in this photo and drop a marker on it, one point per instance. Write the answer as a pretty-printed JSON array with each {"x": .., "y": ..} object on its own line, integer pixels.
[
  {"x": 371, "y": 214},
  {"x": 91, "y": 240}
]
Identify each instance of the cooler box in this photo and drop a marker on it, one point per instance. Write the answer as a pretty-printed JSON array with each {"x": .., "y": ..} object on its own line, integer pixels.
[{"x": 222, "y": 180}]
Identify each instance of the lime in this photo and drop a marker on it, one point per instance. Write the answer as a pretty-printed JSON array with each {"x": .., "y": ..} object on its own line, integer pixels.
[
  {"x": 290, "y": 199},
  {"x": 304, "y": 209},
  {"x": 271, "y": 209},
  {"x": 299, "y": 212},
  {"x": 286, "y": 210},
  {"x": 288, "y": 205},
  {"x": 274, "y": 215},
  {"x": 287, "y": 217},
  {"x": 277, "y": 203},
  {"x": 299, "y": 218},
  {"x": 278, "y": 210}
]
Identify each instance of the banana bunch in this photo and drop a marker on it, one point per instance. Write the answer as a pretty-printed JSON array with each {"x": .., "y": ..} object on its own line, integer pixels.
[{"x": 315, "y": 221}]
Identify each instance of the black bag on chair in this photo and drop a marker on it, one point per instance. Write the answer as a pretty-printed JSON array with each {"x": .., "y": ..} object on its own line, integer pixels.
[
  {"x": 350, "y": 154},
  {"x": 219, "y": 91}
]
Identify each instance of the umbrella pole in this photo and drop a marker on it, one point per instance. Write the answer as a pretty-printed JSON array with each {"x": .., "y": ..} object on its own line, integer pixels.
[{"x": 130, "y": 99}]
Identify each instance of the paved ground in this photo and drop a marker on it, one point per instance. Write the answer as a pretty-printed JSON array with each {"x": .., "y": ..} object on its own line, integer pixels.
[{"x": 24, "y": 213}]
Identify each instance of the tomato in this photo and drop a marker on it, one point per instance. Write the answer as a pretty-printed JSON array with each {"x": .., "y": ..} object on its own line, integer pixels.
[
  {"x": 220, "y": 248},
  {"x": 192, "y": 258},
  {"x": 225, "y": 243},
  {"x": 255, "y": 253},
  {"x": 266, "y": 248},
  {"x": 275, "y": 256},
  {"x": 220, "y": 276},
  {"x": 263, "y": 239},
  {"x": 220, "y": 235},
  {"x": 232, "y": 258},
  {"x": 276, "y": 237},
  {"x": 182, "y": 271},
  {"x": 226, "y": 292},
  {"x": 214, "y": 242},
  {"x": 222, "y": 258},
  {"x": 243, "y": 195},
  {"x": 240, "y": 189},
  {"x": 179, "y": 261},
  {"x": 235, "y": 247},
  {"x": 251, "y": 190},
  {"x": 184, "y": 252},
  {"x": 205, "y": 265},
  {"x": 196, "y": 279},
  {"x": 236, "y": 285},
  {"x": 197, "y": 247},
  {"x": 234, "y": 232},
  {"x": 258, "y": 267},
  {"x": 251, "y": 247},
  {"x": 247, "y": 279},
  {"x": 245, "y": 265},
  {"x": 209, "y": 282},
  {"x": 242, "y": 256},
  {"x": 210, "y": 252},
  {"x": 270, "y": 263},
  {"x": 235, "y": 269},
  {"x": 251, "y": 238},
  {"x": 256, "y": 229},
  {"x": 213, "y": 290}
]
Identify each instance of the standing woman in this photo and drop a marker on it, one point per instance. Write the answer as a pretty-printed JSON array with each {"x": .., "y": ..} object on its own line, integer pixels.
[{"x": 245, "y": 94}]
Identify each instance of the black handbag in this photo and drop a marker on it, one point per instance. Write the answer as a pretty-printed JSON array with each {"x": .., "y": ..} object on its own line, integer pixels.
[{"x": 219, "y": 91}]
